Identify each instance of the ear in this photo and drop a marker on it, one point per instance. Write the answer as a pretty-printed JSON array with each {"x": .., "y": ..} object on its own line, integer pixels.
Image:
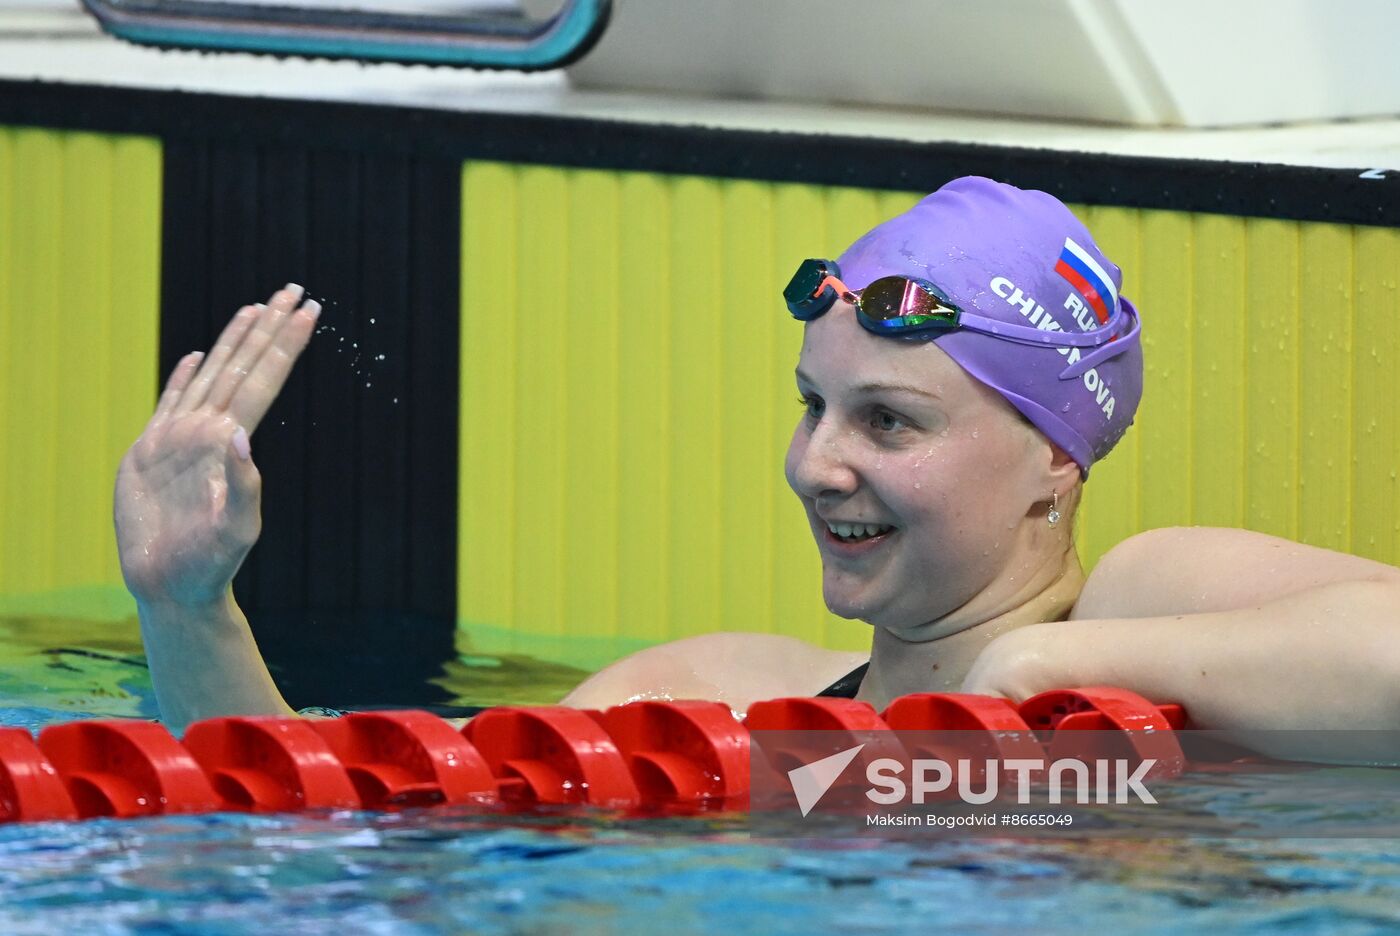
[
  {"x": 1056, "y": 472},
  {"x": 1051, "y": 471},
  {"x": 1064, "y": 470}
]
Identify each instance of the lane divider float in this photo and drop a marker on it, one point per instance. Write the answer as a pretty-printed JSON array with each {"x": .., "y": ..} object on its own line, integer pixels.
[{"x": 648, "y": 754}]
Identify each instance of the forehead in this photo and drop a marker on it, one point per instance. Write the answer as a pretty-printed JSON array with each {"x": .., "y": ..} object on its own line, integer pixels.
[{"x": 837, "y": 353}]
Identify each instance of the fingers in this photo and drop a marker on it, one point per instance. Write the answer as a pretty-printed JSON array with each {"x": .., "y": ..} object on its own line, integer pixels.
[
  {"x": 250, "y": 362},
  {"x": 248, "y": 402},
  {"x": 144, "y": 450},
  {"x": 229, "y": 340},
  {"x": 246, "y": 356},
  {"x": 180, "y": 378}
]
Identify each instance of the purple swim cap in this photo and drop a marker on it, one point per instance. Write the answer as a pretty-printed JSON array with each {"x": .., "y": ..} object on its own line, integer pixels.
[{"x": 1021, "y": 258}]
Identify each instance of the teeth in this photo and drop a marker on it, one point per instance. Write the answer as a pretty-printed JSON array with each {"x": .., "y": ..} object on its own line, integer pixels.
[{"x": 848, "y": 530}]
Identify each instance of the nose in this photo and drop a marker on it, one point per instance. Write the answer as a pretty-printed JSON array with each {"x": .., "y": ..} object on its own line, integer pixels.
[{"x": 820, "y": 462}]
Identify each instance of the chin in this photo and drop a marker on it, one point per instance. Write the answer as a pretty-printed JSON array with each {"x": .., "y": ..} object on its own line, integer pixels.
[{"x": 850, "y": 607}]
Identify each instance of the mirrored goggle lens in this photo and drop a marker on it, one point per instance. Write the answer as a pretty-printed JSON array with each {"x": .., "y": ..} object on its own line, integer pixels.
[{"x": 894, "y": 297}]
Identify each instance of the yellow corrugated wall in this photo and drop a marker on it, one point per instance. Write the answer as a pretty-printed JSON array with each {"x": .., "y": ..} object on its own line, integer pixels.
[
  {"x": 79, "y": 320},
  {"x": 627, "y": 398},
  {"x": 1271, "y": 349}
]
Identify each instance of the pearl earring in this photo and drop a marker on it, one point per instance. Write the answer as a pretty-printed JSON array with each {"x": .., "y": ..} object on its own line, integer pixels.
[{"x": 1053, "y": 514}]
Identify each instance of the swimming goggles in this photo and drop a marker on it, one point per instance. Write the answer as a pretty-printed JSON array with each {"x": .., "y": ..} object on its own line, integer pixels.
[
  {"x": 904, "y": 305},
  {"x": 891, "y": 305}
]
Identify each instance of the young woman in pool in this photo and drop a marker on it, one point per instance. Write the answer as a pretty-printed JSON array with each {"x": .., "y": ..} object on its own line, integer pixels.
[{"x": 963, "y": 366}]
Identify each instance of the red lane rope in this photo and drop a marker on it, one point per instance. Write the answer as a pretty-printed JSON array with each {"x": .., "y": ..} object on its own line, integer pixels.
[{"x": 643, "y": 755}]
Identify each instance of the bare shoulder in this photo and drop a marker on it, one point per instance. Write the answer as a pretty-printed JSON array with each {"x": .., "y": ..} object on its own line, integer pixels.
[
  {"x": 731, "y": 667},
  {"x": 1190, "y": 570}
]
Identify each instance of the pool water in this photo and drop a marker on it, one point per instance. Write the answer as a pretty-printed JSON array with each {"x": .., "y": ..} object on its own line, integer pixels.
[
  {"x": 442, "y": 871},
  {"x": 77, "y": 669},
  {"x": 436, "y": 872}
]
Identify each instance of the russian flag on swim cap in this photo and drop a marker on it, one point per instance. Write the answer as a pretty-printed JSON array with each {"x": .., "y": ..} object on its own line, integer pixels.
[
  {"x": 993, "y": 249},
  {"x": 1085, "y": 275}
]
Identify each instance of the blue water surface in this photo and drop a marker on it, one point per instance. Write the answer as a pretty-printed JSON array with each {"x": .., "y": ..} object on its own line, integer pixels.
[
  {"x": 438, "y": 872},
  {"x": 444, "y": 871}
]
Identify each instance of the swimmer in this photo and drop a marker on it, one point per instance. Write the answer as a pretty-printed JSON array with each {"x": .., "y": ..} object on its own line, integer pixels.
[{"x": 963, "y": 368}]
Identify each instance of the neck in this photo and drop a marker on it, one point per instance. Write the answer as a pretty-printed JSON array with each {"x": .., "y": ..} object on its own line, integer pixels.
[{"x": 899, "y": 667}]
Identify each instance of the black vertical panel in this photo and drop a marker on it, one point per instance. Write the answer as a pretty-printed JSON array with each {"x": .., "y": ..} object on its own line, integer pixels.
[
  {"x": 276, "y": 574},
  {"x": 383, "y": 479},
  {"x": 185, "y": 261},
  {"x": 333, "y": 204},
  {"x": 435, "y": 220},
  {"x": 350, "y": 589}
]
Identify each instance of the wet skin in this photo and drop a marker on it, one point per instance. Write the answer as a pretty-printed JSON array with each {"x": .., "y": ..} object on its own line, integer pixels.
[{"x": 946, "y": 461}]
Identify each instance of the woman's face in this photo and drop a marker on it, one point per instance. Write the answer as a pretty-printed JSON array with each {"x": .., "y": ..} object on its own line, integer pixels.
[{"x": 897, "y": 434}]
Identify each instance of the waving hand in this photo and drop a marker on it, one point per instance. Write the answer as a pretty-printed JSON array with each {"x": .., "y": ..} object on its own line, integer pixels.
[{"x": 188, "y": 496}]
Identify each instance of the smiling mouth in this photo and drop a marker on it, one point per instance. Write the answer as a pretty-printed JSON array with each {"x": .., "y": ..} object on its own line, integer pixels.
[{"x": 852, "y": 534}]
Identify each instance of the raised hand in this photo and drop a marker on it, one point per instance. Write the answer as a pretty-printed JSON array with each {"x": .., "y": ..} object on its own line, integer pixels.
[{"x": 188, "y": 496}]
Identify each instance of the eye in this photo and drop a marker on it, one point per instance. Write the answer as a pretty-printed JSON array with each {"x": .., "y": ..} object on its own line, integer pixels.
[
  {"x": 882, "y": 418},
  {"x": 813, "y": 405}
]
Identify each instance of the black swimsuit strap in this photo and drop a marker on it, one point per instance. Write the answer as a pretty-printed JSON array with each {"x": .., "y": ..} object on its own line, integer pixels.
[
  {"x": 846, "y": 686},
  {"x": 441, "y": 711}
]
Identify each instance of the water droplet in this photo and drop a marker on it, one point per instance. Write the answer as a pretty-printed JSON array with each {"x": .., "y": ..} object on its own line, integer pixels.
[
  {"x": 368, "y": 384},
  {"x": 396, "y": 399},
  {"x": 379, "y": 358},
  {"x": 371, "y": 321}
]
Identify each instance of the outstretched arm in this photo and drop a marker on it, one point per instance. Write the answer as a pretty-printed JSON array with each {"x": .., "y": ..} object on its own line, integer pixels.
[
  {"x": 1248, "y": 632},
  {"x": 187, "y": 509}
]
